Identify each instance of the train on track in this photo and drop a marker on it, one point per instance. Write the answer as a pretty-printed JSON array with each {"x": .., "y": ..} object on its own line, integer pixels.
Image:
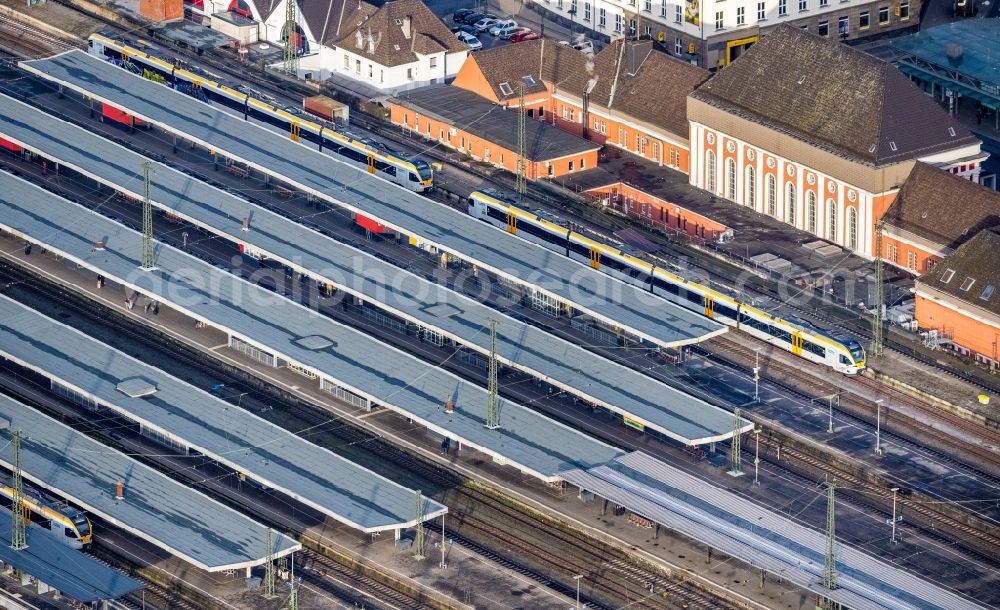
[
  {"x": 66, "y": 524},
  {"x": 842, "y": 354},
  {"x": 413, "y": 173}
]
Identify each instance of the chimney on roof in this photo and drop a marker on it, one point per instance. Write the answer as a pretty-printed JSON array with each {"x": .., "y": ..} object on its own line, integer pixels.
[
  {"x": 955, "y": 53},
  {"x": 246, "y": 223},
  {"x": 119, "y": 491},
  {"x": 449, "y": 406},
  {"x": 636, "y": 54},
  {"x": 407, "y": 26},
  {"x": 359, "y": 39}
]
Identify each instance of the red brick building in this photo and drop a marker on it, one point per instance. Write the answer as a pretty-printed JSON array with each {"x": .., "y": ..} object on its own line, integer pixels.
[
  {"x": 605, "y": 98},
  {"x": 934, "y": 213},
  {"x": 488, "y": 132},
  {"x": 959, "y": 298}
]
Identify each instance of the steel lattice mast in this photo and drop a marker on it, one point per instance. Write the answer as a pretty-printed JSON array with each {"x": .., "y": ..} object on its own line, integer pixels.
[
  {"x": 522, "y": 145},
  {"x": 493, "y": 401},
  {"x": 18, "y": 536},
  {"x": 877, "y": 347},
  {"x": 830, "y": 563},
  {"x": 291, "y": 42},
  {"x": 147, "y": 218},
  {"x": 418, "y": 529}
]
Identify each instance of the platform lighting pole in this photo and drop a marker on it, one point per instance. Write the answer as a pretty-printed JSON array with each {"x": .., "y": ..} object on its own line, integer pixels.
[
  {"x": 18, "y": 538},
  {"x": 756, "y": 375},
  {"x": 147, "y": 218},
  {"x": 734, "y": 446},
  {"x": 444, "y": 546},
  {"x": 522, "y": 146},
  {"x": 418, "y": 529},
  {"x": 830, "y": 564},
  {"x": 293, "y": 596},
  {"x": 268, "y": 587},
  {"x": 756, "y": 459},
  {"x": 877, "y": 321},
  {"x": 493, "y": 400},
  {"x": 878, "y": 427},
  {"x": 894, "y": 490},
  {"x": 578, "y": 578}
]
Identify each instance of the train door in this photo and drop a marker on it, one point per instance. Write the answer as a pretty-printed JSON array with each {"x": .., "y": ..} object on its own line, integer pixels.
[
  {"x": 511, "y": 223},
  {"x": 595, "y": 258},
  {"x": 371, "y": 164},
  {"x": 293, "y": 128},
  {"x": 796, "y": 344},
  {"x": 709, "y": 306}
]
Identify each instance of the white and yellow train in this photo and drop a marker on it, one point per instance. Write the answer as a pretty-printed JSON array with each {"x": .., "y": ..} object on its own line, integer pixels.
[
  {"x": 842, "y": 354},
  {"x": 413, "y": 173},
  {"x": 65, "y": 523}
]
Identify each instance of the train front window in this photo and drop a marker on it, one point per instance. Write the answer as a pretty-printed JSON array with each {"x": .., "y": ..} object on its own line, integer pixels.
[
  {"x": 83, "y": 525},
  {"x": 423, "y": 168},
  {"x": 857, "y": 352}
]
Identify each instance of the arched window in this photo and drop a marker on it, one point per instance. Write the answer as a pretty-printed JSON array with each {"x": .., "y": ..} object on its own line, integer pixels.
[
  {"x": 710, "y": 171},
  {"x": 811, "y": 211},
  {"x": 751, "y": 199},
  {"x": 772, "y": 196},
  {"x": 731, "y": 179},
  {"x": 790, "y": 203},
  {"x": 852, "y": 228},
  {"x": 831, "y": 221}
]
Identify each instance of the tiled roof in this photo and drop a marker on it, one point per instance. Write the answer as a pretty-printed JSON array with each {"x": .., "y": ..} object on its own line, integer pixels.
[
  {"x": 635, "y": 80},
  {"x": 834, "y": 97},
  {"x": 475, "y": 114},
  {"x": 326, "y": 19},
  {"x": 971, "y": 273},
  {"x": 541, "y": 59},
  {"x": 383, "y": 36},
  {"x": 943, "y": 208}
]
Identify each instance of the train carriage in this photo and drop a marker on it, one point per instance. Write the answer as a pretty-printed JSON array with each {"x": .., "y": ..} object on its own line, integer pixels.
[
  {"x": 413, "y": 173},
  {"x": 842, "y": 354},
  {"x": 65, "y": 523}
]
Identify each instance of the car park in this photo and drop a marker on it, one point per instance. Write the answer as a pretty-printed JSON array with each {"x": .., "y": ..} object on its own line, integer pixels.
[
  {"x": 468, "y": 29},
  {"x": 502, "y": 25},
  {"x": 469, "y": 40},
  {"x": 523, "y": 35},
  {"x": 485, "y": 24}
]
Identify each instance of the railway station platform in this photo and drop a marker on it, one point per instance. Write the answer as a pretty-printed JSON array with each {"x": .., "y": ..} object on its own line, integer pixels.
[
  {"x": 192, "y": 419},
  {"x": 645, "y": 402},
  {"x": 667, "y": 496},
  {"x": 651, "y": 318},
  {"x": 155, "y": 508},
  {"x": 60, "y": 569},
  {"x": 283, "y": 334}
]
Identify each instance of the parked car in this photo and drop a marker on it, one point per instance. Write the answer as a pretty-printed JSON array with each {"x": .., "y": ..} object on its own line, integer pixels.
[
  {"x": 510, "y": 33},
  {"x": 523, "y": 35},
  {"x": 485, "y": 24},
  {"x": 501, "y": 25},
  {"x": 458, "y": 15},
  {"x": 468, "y": 29},
  {"x": 470, "y": 41}
]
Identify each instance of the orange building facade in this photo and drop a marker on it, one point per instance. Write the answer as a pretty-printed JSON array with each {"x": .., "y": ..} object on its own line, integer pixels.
[
  {"x": 972, "y": 333},
  {"x": 657, "y": 212},
  {"x": 482, "y": 149}
]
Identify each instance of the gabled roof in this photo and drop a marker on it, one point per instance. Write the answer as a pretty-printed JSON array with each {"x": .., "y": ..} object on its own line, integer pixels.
[
  {"x": 943, "y": 208},
  {"x": 971, "y": 273},
  {"x": 834, "y": 97},
  {"x": 397, "y": 33},
  {"x": 635, "y": 80},
  {"x": 543, "y": 60},
  {"x": 326, "y": 19}
]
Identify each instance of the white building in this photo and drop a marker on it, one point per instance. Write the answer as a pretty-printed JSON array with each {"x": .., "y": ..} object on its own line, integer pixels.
[
  {"x": 712, "y": 33},
  {"x": 400, "y": 45}
]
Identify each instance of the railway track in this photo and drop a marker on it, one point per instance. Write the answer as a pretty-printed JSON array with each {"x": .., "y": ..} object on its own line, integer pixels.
[
  {"x": 549, "y": 570},
  {"x": 985, "y": 543},
  {"x": 24, "y": 41}
]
